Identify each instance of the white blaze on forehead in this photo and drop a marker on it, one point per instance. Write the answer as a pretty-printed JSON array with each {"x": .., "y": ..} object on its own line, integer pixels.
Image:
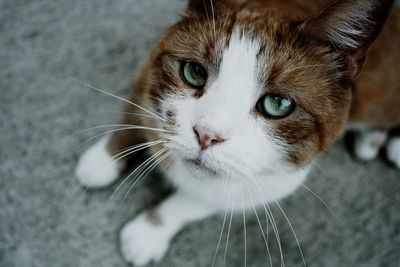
[
  {"x": 238, "y": 71},
  {"x": 233, "y": 93}
]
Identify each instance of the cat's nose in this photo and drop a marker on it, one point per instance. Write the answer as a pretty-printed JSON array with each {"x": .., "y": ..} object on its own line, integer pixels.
[{"x": 206, "y": 138}]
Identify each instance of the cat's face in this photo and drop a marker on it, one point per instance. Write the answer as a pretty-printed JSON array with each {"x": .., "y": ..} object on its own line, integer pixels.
[
  {"x": 227, "y": 108},
  {"x": 269, "y": 98}
]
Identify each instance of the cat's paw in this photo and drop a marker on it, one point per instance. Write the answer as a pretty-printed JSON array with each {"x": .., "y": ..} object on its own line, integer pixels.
[
  {"x": 368, "y": 144},
  {"x": 96, "y": 168},
  {"x": 393, "y": 151},
  {"x": 143, "y": 241}
]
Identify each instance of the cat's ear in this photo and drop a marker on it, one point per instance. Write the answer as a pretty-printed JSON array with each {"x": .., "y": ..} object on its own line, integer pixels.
[{"x": 350, "y": 26}]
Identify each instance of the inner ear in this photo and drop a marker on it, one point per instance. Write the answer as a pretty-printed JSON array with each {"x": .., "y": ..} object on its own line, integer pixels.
[{"x": 350, "y": 26}]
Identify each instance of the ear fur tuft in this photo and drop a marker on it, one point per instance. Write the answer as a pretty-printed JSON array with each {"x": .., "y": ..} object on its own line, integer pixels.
[{"x": 349, "y": 25}]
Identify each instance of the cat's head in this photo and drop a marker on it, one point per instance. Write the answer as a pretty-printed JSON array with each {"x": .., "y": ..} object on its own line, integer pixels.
[{"x": 248, "y": 89}]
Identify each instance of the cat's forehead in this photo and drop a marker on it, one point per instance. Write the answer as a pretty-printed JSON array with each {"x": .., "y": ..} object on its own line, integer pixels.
[
  {"x": 205, "y": 38},
  {"x": 239, "y": 67},
  {"x": 280, "y": 63}
]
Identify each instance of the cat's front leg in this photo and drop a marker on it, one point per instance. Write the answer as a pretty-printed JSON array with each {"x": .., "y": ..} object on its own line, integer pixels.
[
  {"x": 97, "y": 168},
  {"x": 147, "y": 237},
  {"x": 100, "y": 165}
]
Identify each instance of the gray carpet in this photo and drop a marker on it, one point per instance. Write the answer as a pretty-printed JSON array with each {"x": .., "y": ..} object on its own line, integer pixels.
[{"x": 46, "y": 219}]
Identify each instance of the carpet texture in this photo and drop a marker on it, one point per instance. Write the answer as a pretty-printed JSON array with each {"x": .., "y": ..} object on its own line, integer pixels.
[{"x": 47, "y": 219}]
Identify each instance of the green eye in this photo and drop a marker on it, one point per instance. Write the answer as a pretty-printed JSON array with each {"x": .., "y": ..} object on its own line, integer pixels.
[
  {"x": 194, "y": 74},
  {"x": 275, "y": 106}
]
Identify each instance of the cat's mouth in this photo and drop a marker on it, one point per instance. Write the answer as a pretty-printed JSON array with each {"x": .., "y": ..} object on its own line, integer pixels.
[{"x": 198, "y": 165}]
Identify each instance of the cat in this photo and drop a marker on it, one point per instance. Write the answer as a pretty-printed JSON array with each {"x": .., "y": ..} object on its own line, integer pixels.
[{"x": 239, "y": 98}]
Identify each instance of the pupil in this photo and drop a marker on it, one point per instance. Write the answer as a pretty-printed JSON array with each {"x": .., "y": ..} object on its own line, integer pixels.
[
  {"x": 278, "y": 103},
  {"x": 197, "y": 71}
]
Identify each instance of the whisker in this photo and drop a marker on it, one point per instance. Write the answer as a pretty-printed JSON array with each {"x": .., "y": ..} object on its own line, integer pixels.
[
  {"x": 230, "y": 222},
  {"x": 124, "y": 129},
  {"x": 266, "y": 218},
  {"x": 290, "y": 225},
  {"x": 145, "y": 172},
  {"x": 244, "y": 228},
  {"x": 132, "y": 114},
  {"x": 117, "y": 97},
  {"x": 276, "y": 232},
  {"x": 317, "y": 165},
  {"x": 294, "y": 233},
  {"x": 136, "y": 170},
  {"x": 223, "y": 225},
  {"x": 322, "y": 201},
  {"x": 133, "y": 149},
  {"x": 259, "y": 224},
  {"x": 147, "y": 106},
  {"x": 269, "y": 216},
  {"x": 268, "y": 213},
  {"x": 127, "y": 149},
  {"x": 118, "y": 125}
]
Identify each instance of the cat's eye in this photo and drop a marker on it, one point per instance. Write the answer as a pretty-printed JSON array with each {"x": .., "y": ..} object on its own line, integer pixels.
[
  {"x": 194, "y": 74},
  {"x": 275, "y": 106}
]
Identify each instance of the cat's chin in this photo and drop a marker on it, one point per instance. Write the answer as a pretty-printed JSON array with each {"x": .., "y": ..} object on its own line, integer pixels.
[{"x": 199, "y": 169}]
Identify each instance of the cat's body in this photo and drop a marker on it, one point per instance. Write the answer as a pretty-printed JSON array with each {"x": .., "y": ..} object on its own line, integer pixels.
[
  {"x": 376, "y": 95},
  {"x": 240, "y": 97}
]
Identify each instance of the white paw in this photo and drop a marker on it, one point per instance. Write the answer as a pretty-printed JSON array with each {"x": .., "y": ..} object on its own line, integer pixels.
[
  {"x": 368, "y": 144},
  {"x": 96, "y": 168},
  {"x": 143, "y": 242},
  {"x": 393, "y": 151}
]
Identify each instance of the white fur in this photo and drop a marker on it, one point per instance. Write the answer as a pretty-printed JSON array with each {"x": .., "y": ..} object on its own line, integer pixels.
[
  {"x": 96, "y": 168},
  {"x": 143, "y": 241},
  {"x": 220, "y": 193},
  {"x": 368, "y": 144},
  {"x": 349, "y": 25},
  {"x": 393, "y": 151}
]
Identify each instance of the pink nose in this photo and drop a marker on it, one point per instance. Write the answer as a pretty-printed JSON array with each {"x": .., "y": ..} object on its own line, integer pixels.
[{"x": 205, "y": 138}]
